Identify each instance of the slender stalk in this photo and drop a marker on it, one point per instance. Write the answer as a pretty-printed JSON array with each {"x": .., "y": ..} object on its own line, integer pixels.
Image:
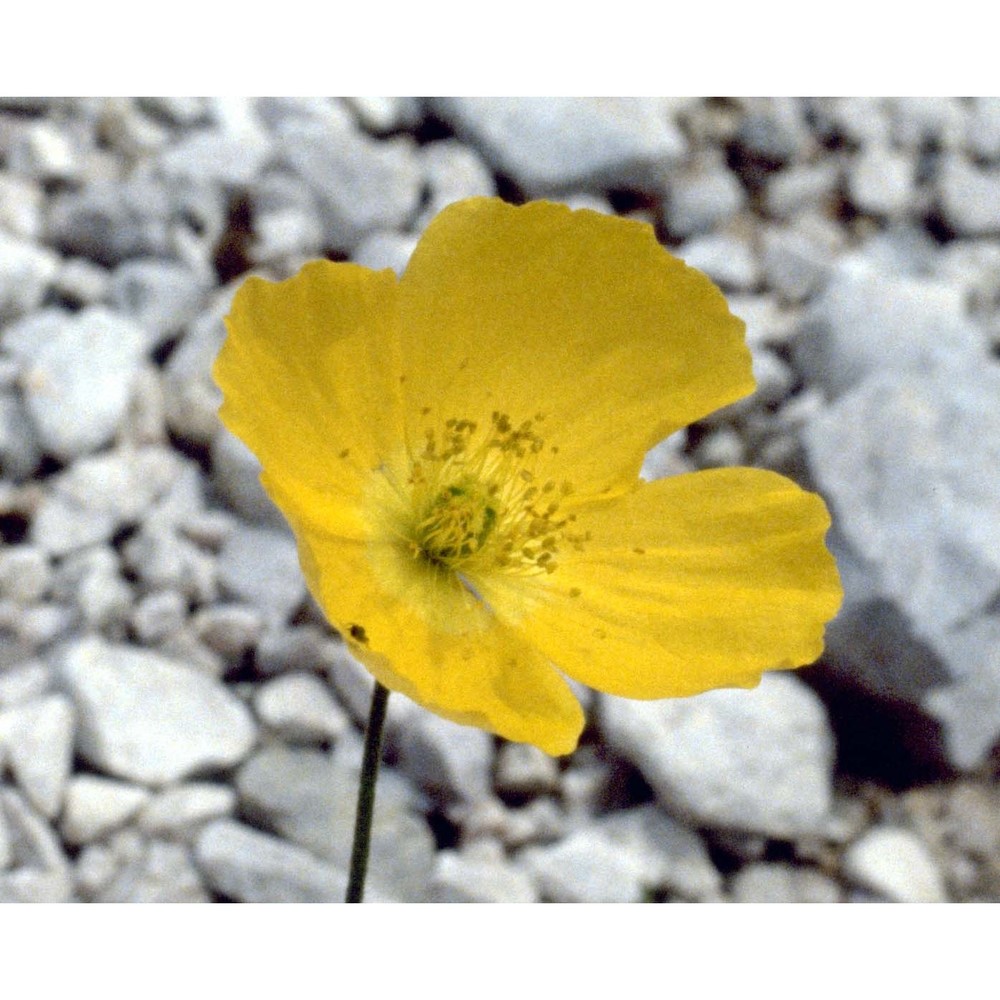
[{"x": 366, "y": 795}]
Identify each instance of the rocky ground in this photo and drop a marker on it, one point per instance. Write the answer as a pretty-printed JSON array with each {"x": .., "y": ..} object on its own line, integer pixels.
[{"x": 177, "y": 723}]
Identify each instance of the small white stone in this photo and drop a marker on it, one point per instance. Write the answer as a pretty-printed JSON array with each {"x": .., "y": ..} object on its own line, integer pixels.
[
  {"x": 180, "y": 810},
  {"x": 469, "y": 877},
  {"x": 523, "y": 769},
  {"x": 38, "y": 737},
  {"x": 299, "y": 707},
  {"x": 896, "y": 864},
  {"x": 95, "y": 806}
]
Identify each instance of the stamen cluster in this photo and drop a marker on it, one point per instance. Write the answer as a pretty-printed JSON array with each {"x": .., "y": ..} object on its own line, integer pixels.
[{"x": 479, "y": 503}]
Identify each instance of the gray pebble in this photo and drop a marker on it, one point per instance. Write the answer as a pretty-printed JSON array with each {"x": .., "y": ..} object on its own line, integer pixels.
[
  {"x": 783, "y": 883},
  {"x": 983, "y": 131},
  {"x": 523, "y": 769},
  {"x": 360, "y": 184},
  {"x": 300, "y": 709},
  {"x": 756, "y": 760},
  {"x": 26, "y": 271},
  {"x": 868, "y": 321},
  {"x": 444, "y": 758},
  {"x": 21, "y": 202},
  {"x": 969, "y": 707},
  {"x": 585, "y": 867},
  {"x": 970, "y": 196},
  {"x": 148, "y": 719},
  {"x": 248, "y": 866},
  {"x": 384, "y": 249},
  {"x": 564, "y": 143},
  {"x": 452, "y": 172},
  {"x": 896, "y": 864},
  {"x": 179, "y": 811},
  {"x": 37, "y": 737},
  {"x": 668, "y": 855},
  {"x": 231, "y": 159},
  {"x": 28, "y": 680},
  {"x": 261, "y": 566},
  {"x": 38, "y": 868},
  {"x": 20, "y": 449},
  {"x": 310, "y": 798},
  {"x": 727, "y": 259},
  {"x": 385, "y": 114},
  {"x": 907, "y": 467},
  {"x": 479, "y": 874},
  {"x": 802, "y": 187},
  {"x": 163, "y": 560},
  {"x": 796, "y": 260},
  {"x": 162, "y": 873},
  {"x": 45, "y": 153},
  {"x": 95, "y": 806},
  {"x": 25, "y": 573},
  {"x": 703, "y": 197},
  {"x": 77, "y": 375},
  {"x": 236, "y": 477},
  {"x": 918, "y": 121},
  {"x": 81, "y": 282},
  {"x": 228, "y": 629},
  {"x": 157, "y": 615},
  {"x": 161, "y": 296},
  {"x": 111, "y": 221},
  {"x": 881, "y": 181}
]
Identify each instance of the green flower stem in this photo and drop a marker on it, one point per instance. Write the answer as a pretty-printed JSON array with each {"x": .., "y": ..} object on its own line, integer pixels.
[{"x": 366, "y": 794}]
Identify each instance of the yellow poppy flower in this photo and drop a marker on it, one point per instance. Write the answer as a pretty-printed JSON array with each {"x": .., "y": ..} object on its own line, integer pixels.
[{"x": 458, "y": 454}]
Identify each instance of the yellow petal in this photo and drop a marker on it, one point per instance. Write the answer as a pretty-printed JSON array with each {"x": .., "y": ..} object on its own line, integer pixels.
[
  {"x": 422, "y": 633},
  {"x": 688, "y": 583},
  {"x": 576, "y": 315},
  {"x": 310, "y": 373}
]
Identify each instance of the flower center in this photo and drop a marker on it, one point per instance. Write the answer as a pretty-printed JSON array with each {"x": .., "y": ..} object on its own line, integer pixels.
[{"x": 477, "y": 503}]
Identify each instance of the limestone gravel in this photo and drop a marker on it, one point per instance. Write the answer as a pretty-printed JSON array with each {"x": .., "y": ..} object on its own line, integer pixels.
[
  {"x": 754, "y": 760},
  {"x": 149, "y": 719}
]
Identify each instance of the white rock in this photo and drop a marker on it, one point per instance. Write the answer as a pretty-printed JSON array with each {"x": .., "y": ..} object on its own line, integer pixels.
[
  {"x": 780, "y": 883},
  {"x": 867, "y": 321},
  {"x": 310, "y": 797},
  {"x": 882, "y": 181},
  {"x": 229, "y": 629},
  {"x": 300, "y": 708},
  {"x": 523, "y": 769},
  {"x": 969, "y": 708},
  {"x": 383, "y": 249},
  {"x": 757, "y": 760},
  {"x": 360, "y": 184},
  {"x": 452, "y": 171},
  {"x": 261, "y": 566},
  {"x": 38, "y": 738},
  {"x": 478, "y": 875},
  {"x": 445, "y": 758},
  {"x": 907, "y": 462},
  {"x": 25, "y": 573},
  {"x": 667, "y": 855},
  {"x": 96, "y": 806},
  {"x": 727, "y": 259},
  {"x": 77, "y": 374},
  {"x": 26, "y": 271},
  {"x": 970, "y": 196},
  {"x": 896, "y": 864},
  {"x": 703, "y": 198},
  {"x": 565, "y": 143},
  {"x": 178, "y": 811},
  {"x": 161, "y": 873},
  {"x": 148, "y": 719},
  {"x": 251, "y": 867},
  {"x": 584, "y": 868}
]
